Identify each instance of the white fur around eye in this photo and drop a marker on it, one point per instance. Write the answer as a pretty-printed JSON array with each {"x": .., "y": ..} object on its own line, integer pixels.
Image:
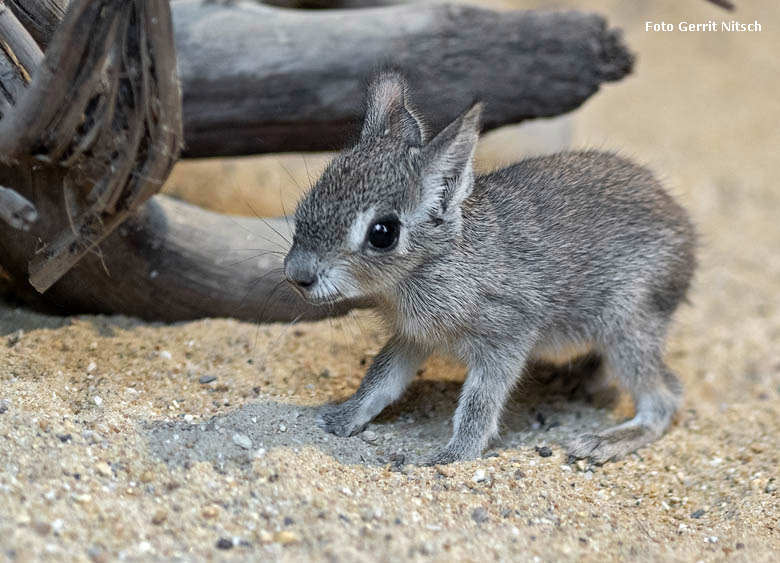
[{"x": 359, "y": 228}]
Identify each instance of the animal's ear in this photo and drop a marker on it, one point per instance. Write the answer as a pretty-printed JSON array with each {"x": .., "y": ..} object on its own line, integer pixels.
[
  {"x": 388, "y": 111},
  {"x": 448, "y": 164}
]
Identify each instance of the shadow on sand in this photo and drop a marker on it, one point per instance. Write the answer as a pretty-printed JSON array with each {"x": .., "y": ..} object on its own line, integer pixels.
[{"x": 553, "y": 406}]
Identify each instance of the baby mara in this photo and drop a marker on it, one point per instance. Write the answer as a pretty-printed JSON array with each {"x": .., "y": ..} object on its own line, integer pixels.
[{"x": 575, "y": 251}]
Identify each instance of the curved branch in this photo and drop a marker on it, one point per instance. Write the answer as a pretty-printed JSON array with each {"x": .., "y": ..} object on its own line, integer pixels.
[{"x": 106, "y": 112}]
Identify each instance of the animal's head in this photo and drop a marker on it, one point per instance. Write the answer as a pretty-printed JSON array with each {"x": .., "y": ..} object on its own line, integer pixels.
[{"x": 386, "y": 205}]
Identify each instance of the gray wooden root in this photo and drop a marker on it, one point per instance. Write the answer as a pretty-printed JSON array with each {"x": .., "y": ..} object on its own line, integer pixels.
[
  {"x": 171, "y": 261},
  {"x": 39, "y": 17},
  {"x": 261, "y": 79},
  {"x": 103, "y": 109}
]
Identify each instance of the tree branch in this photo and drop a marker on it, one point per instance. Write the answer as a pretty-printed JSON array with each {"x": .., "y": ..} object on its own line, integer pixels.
[
  {"x": 311, "y": 67},
  {"x": 261, "y": 79},
  {"x": 18, "y": 44},
  {"x": 106, "y": 113},
  {"x": 171, "y": 261},
  {"x": 39, "y": 17}
]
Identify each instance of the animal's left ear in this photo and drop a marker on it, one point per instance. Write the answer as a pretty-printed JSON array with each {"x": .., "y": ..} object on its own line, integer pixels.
[
  {"x": 448, "y": 164},
  {"x": 388, "y": 111}
]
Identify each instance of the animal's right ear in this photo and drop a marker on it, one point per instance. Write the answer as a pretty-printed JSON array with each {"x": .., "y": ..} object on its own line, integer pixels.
[
  {"x": 448, "y": 169},
  {"x": 388, "y": 113}
]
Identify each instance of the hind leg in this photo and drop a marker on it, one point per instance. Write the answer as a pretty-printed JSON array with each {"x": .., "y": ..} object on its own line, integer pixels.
[{"x": 635, "y": 359}]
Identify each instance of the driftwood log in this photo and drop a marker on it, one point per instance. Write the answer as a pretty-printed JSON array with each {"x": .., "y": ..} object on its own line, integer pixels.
[
  {"x": 287, "y": 80},
  {"x": 254, "y": 79}
]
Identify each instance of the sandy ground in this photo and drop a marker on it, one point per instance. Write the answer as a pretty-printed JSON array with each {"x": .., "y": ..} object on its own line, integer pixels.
[{"x": 124, "y": 440}]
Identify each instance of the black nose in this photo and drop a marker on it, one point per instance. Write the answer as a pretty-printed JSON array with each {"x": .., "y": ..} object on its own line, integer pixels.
[
  {"x": 300, "y": 272},
  {"x": 303, "y": 279},
  {"x": 300, "y": 268}
]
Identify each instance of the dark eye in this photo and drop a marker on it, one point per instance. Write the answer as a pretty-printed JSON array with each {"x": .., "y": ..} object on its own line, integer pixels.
[{"x": 383, "y": 234}]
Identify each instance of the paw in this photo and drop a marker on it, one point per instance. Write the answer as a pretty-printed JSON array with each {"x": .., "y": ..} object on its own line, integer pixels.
[
  {"x": 610, "y": 445},
  {"x": 442, "y": 457},
  {"x": 451, "y": 454},
  {"x": 340, "y": 420}
]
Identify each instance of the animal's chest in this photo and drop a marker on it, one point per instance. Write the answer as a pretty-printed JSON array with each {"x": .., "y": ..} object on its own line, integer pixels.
[{"x": 434, "y": 321}]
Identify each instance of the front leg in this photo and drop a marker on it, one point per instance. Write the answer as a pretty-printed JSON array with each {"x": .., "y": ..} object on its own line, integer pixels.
[
  {"x": 386, "y": 379},
  {"x": 488, "y": 386}
]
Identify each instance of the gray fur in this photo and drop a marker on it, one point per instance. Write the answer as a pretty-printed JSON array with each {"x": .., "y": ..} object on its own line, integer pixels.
[{"x": 573, "y": 251}]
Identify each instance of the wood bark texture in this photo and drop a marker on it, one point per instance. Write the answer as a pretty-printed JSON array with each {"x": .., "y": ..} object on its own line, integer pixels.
[
  {"x": 16, "y": 211},
  {"x": 259, "y": 79},
  {"x": 39, "y": 17},
  {"x": 170, "y": 261},
  {"x": 103, "y": 110}
]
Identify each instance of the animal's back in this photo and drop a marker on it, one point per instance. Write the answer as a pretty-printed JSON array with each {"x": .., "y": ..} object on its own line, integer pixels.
[{"x": 586, "y": 225}]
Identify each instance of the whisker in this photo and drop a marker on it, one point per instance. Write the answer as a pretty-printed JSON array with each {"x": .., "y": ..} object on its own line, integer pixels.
[
  {"x": 279, "y": 338},
  {"x": 250, "y": 231},
  {"x": 306, "y": 166},
  {"x": 257, "y": 235},
  {"x": 337, "y": 291},
  {"x": 350, "y": 331},
  {"x": 294, "y": 181},
  {"x": 351, "y": 315},
  {"x": 357, "y": 342},
  {"x": 246, "y": 259},
  {"x": 279, "y": 252},
  {"x": 362, "y": 339},
  {"x": 254, "y": 285},
  {"x": 330, "y": 322},
  {"x": 265, "y": 307},
  {"x": 284, "y": 211},
  {"x": 268, "y": 299},
  {"x": 267, "y": 224}
]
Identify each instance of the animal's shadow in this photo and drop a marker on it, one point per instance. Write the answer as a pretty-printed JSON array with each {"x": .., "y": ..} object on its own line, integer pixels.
[{"x": 553, "y": 406}]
